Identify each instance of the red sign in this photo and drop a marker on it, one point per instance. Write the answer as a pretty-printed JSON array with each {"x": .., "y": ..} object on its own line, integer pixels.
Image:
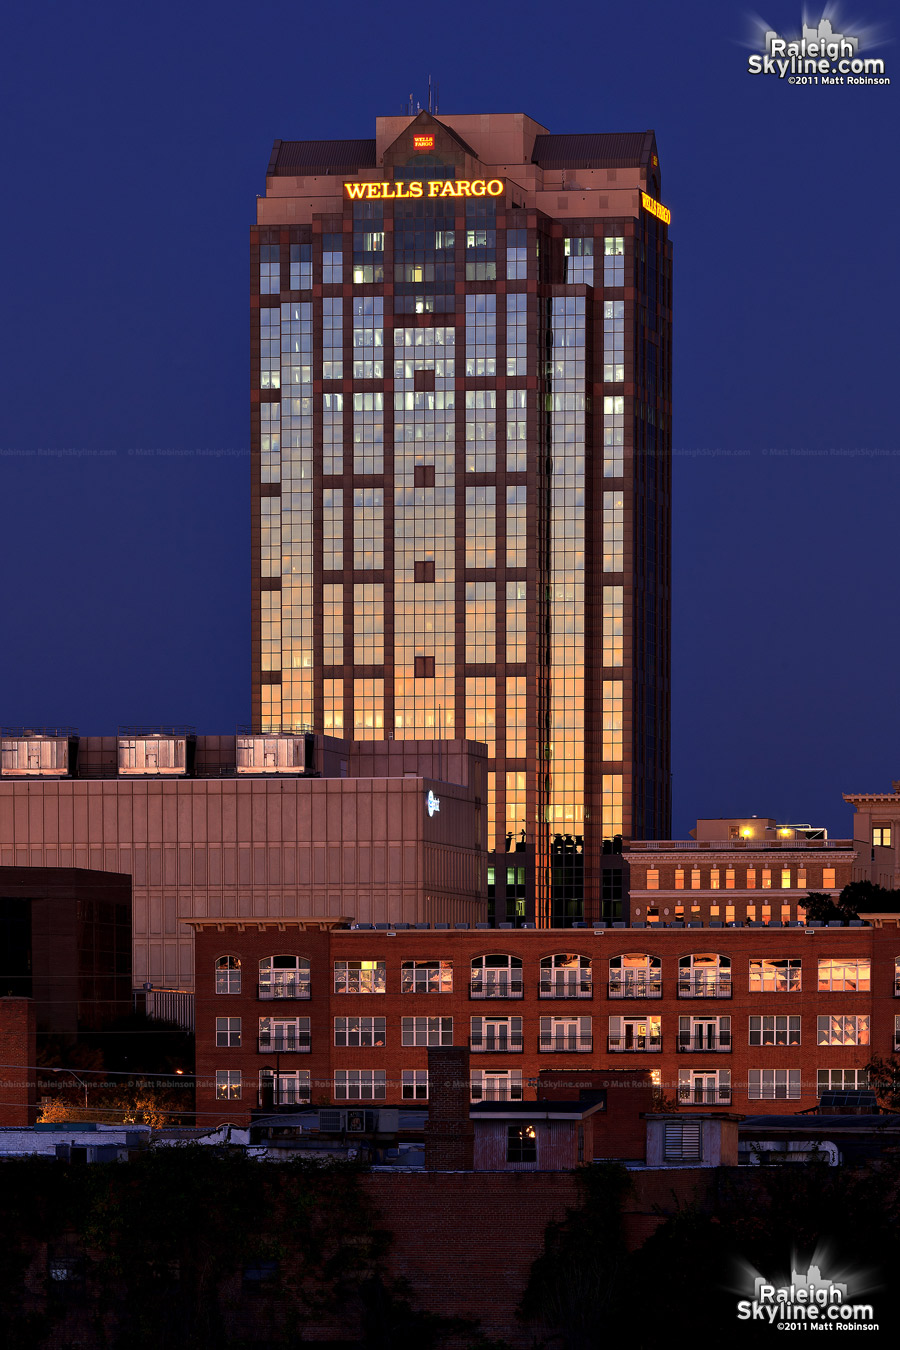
[{"x": 423, "y": 142}]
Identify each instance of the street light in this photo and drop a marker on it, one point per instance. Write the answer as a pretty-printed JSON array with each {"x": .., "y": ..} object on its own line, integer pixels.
[{"x": 78, "y": 1080}]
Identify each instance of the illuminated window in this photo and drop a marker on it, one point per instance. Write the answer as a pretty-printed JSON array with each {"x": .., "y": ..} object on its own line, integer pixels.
[
  {"x": 612, "y": 805},
  {"x": 679, "y": 878},
  {"x": 481, "y": 711},
  {"x": 368, "y": 624},
  {"x": 228, "y": 1084},
  {"x": 333, "y": 624},
  {"x": 516, "y": 430},
  {"x": 333, "y": 434},
  {"x": 774, "y": 975},
  {"x": 481, "y": 607},
  {"x": 840, "y": 975},
  {"x": 635, "y": 1033},
  {"x": 481, "y": 430},
  {"x": 228, "y": 1031},
  {"x": 228, "y": 975},
  {"x": 767, "y": 878},
  {"x": 270, "y": 442},
  {"x": 714, "y": 879},
  {"x": 360, "y": 1085},
  {"x": 359, "y": 977},
  {"x": 613, "y": 342},
  {"x": 785, "y": 878},
  {"x": 881, "y": 836},
  {"x": 521, "y": 1143},
  {"x": 613, "y": 527},
  {"x": 613, "y": 617},
  {"x": 842, "y": 1030},
  {"x": 695, "y": 878},
  {"x": 751, "y": 878},
  {"x": 270, "y": 348},
  {"x": 652, "y": 878},
  {"x": 635, "y": 975},
  {"x": 614, "y": 261},
  {"x": 613, "y": 435},
  {"x": 368, "y": 434},
  {"x": 729, "y": 878},
  {"x": 801, "y": 878},
  {"x": 481, "y": 335},
  {"x": 704, "y": 975},
  {"x": 516, "y": 621},
  {"x": 368, "y": 337},
  {"x": 515, "y": 716},
  {"x": 828, "y": 881},
  {"x": 333, "y": 707}
]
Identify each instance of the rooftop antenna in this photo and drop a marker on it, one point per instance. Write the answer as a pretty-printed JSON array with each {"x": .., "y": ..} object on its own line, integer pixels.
[
  {"x": 430, "y": 99},
  {"x": 436, "y": 88}
]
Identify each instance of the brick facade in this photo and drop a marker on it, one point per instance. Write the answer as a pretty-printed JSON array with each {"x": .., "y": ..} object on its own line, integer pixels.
[
  {"x": 702, "y": 1062},
  {"x": 18, "y": 1079}
]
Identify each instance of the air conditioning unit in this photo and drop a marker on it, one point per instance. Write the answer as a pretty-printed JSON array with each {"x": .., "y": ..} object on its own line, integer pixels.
[{"x": 331, "y": 1122}]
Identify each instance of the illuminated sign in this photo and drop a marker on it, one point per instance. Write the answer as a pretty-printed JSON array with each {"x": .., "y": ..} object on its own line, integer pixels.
[
  {"x": 449, "y": 187},
  {"x": 423, "y": 142},
  {"x": 656, "y": 209},
  {"x": 432, "y": 803}
]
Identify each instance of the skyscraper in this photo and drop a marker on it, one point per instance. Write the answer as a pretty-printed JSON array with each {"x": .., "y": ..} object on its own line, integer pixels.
[{"x": 461, "y": 473}]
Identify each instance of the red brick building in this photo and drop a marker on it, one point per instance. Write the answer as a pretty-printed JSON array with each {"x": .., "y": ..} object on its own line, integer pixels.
[
  {"x": 18, "y": 1085},
  {"x": 304, "y": 1010}
]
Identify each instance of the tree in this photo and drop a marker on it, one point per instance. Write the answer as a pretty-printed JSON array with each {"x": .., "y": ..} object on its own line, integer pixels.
[
  {"x": 119, "y": 1104},
  {"x": 868, "y": 897},
  {"x": 822, "y": 908},
  {"x": 884, "y": 1080}
]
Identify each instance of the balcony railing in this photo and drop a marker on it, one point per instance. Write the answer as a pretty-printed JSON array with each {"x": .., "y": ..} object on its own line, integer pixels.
[
  {"x": 285, "y": 1045},
  {"x": 625, "y": 987},
  {"x": 701, "y": 986},
  {"x": 632, "y": 1043},
  {"x": 493, "y": 988},
  {"x": 283, "y": 989},
  {"x": 288, "y": 1096},
  {"x": 696, "y": 1095},
  {"x": 568, "y": 986},
  {"x": 566, "y": 1044},
  {"x": 696, "y": 1040},
  {"x": 514, "y": 1043},
  {"x": 746, "y": 845}
]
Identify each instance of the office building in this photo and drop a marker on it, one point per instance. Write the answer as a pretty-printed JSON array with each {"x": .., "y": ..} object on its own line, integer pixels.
[
  {"x": 461, "y": 338},
  {"x": 242, "y": 826}
]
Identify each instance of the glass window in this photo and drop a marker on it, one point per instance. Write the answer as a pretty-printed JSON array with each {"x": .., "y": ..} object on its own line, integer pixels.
[
  {"x": 284, "y": 1035},
  {"x": 774, "y": 1085},
  {"x": 496, "y": 976},
  {"x": 359, "y": 977},
  {"x": 521, "y": 1143},
  {"x": 842, "y": 1030},
  {"x": 228, "y": 975},
  {"x": 426, "y": 1030},
  {"x": 269, "y": 269},
  {"x": 774, "y": 1030},
  {"x": 284, "y": 977},
  {"x": 635, "y": 975},
  {"x": 359, "y": 1031},
  {"x": 414, "y": 1085},
  {"x": 496, "y": 1085},
  {"x": 301, "y": 267},
  {"x": 228, "y": 1031},
  {"x": 774, "y": 975},
  {"x": 838, "y": 974},
  {"x": 228, "y": 1084},
  {"x": 566, "y": 975},
  {"x": 360, "y": 1085},
  {"x": 287, "y": 1087},
  {"x": 426, "y": 977}
]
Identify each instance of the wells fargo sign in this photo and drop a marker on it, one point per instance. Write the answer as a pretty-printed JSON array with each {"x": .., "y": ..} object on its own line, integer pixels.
[
  {"x": 450, "y": 187},
  {"x": 656, "y": 209}
]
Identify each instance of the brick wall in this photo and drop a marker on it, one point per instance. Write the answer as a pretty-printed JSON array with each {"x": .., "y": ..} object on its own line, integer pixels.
[{"x": 18, "y": 1086}]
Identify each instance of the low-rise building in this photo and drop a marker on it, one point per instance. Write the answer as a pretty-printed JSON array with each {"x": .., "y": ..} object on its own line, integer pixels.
[{"x": 315, "y": 1011}]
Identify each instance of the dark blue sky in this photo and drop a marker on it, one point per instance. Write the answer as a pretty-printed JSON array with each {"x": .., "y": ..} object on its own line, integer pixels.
[{"x": 136, "y": 140}]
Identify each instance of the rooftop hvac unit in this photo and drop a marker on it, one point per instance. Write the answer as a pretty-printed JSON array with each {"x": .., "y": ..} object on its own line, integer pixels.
[
  {"x": 361, "y": 1122},
  {"x": 331, "y": 1122}
]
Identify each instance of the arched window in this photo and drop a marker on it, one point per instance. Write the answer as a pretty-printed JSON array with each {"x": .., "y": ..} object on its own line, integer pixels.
[
  {"x": 284, "y": 977},
  {"x": 228, "y": 975},
  {"x": 635, "y": 975},
  {"x": 704, "y": 975},
  {"x": 496, "y": 976},
  {"x": 565, "y": 975}
]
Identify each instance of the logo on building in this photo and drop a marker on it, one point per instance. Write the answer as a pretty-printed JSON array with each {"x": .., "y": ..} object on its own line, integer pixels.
[
  {"x": 809, "y": 1296},
  {"x": 432, "y": 803},
  {"x": 656, "y": 209},
  {"x": 439, "y": 187},
  {"x": 819, "y": 54}
]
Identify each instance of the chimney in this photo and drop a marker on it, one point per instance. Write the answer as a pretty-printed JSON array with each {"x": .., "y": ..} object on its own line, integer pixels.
[{"x": 449, "y": 1133}]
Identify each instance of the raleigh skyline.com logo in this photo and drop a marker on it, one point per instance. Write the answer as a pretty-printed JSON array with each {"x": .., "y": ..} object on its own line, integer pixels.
[
  {"x": 819, "y": 55},
  {"x": 809, "y": 1302}
]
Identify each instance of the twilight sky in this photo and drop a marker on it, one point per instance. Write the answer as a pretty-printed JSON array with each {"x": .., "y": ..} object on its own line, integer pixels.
[{"x": 136, "y": 140}]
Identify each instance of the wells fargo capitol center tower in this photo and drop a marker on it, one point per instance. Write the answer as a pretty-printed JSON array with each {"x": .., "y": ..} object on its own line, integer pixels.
[{"x": 462, "y": 474}]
